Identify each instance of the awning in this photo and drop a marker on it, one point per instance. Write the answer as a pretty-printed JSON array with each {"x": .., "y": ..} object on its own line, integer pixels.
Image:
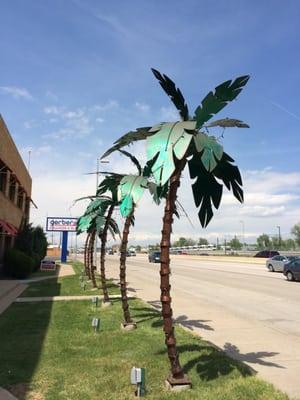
[{"x": 8, "y": 228}]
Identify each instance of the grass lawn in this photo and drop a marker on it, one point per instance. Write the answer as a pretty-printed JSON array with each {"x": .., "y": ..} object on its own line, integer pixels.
[
  {"x": 67, "y": 286},
  {"x": 50, "y": 352}
]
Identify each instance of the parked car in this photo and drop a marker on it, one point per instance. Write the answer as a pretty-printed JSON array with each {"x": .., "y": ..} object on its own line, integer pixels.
[
  {"x": 110, "y": 252},
  {"x": 267, "y": 253},
  {"x": 276, "y": 263},
  {"x": 154, "y": 257},
  {"x": 132, "y": 253},
  {"x": 292, "y": 270}
]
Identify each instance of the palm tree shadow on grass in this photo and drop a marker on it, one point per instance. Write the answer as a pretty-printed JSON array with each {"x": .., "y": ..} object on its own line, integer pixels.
[
  {"x": 211, "y": 363},
  {"x": 143, "y": 314},
  {"x": 147, "y": 314}
]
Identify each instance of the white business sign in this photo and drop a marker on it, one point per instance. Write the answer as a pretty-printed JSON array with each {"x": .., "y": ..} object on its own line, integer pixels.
[{"x": 60, "y": 224}]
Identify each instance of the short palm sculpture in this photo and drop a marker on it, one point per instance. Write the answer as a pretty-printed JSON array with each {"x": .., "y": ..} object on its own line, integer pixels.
[
  {"x": 97, "y": 220},
  {"x": 170, "y": 146},
  {"x": 127, "y": 190}
]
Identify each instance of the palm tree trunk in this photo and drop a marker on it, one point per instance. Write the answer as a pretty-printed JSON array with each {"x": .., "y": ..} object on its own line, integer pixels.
[
  {"x": 102, "y": 256},
  {"x": 177, "y": 375},
  {"x": 125, "y": 306},
  {"x": 91, "y": 252},
  {"x": 86, "y": 259}
]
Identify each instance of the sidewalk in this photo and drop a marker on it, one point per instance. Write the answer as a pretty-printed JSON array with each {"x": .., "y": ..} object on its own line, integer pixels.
[{"x": 11, "y": 289}]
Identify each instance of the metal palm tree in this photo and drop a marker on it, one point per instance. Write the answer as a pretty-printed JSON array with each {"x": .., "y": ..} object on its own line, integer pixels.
[
  {"x": 97, "y": 219},
  {"x": 170, "y": 146},
  {"x": 127, "y": 190}
]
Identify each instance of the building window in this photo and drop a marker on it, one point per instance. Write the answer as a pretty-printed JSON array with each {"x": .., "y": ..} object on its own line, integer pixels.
[
  {"x": 12, "y": 189},
  {"x": 3, "y": 170},
  {"x": 20, "y": 198}
]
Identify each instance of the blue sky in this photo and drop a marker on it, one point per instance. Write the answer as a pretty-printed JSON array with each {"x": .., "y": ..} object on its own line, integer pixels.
[{"x": 75, "y": 75}]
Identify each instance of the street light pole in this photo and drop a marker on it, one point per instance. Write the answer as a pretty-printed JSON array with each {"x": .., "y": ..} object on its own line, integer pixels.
[
  {"x": 243, "y": 232},
  {"x": 97, "y": 183},
  {"x": 279, "y": 237}
]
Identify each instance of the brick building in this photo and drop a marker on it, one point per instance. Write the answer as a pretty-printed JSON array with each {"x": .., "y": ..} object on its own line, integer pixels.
[{"x": 15, "y": 190}]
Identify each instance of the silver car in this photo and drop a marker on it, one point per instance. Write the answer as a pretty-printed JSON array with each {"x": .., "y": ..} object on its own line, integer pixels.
[{"x": 276, "y": 263}]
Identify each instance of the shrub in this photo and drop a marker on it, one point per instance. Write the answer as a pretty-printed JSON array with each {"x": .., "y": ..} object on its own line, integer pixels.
[
  {"x": 32, "y": 240},
  {"x": 36, "y": 261},
  {"x": 18, "y": 264}
]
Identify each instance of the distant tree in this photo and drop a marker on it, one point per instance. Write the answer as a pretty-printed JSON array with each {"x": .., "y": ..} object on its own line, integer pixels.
[
  {"x": 277, "y": 243},
  {"x": 138, "y": 248},
  {"x": 289, "y": 244},
  {"x": 296, "y": 232},
  {"x": 182, "y": 241},
  {"x": 235, "y": 244},
  {"x": 202, "y": 241},
  {"x": 263, "y": 241}
]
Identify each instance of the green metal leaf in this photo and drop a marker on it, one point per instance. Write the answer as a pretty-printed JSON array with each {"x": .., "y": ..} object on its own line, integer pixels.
[
  {"x": 133, "y": 159},
  {"x": 130, "y": 191},
  {"x": 228, "y": 123},
  {"x": 98, "y": 204},
  {"x": 83, "y": 224},
  {"x": 113, "y": 228},
  {"x": 126, "y": 206},
  {"x": 231, "y": 176},
  {"x": 170, "y": 139},
  {"x": 214, "y": 102},
  {"x": 158, "y": 192},
  {"x": 206, "y": 190},
  {"x": 127, "y": 139},
  {"x": 211, "y": 150},
  {"x": 110, "y": 184},
  {"x": 174, "y": 93},
  {"x": 100, "y": 221}
]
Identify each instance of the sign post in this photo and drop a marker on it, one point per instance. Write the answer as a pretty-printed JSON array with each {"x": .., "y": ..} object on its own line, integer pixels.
[
  {"x": 64, "y": 247},
  {"x": 64, "y": 225}
]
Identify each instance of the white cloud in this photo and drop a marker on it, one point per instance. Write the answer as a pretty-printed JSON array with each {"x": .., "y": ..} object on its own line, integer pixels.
[
  {"x": 142, "y": 106},
  {"x": 50, "y": 95},
  {"x": 35, "y": 151},
  {"x": 16, "y": 92},
  {"x": 75, "y": 123},
  {"x": 107, "y": 106}
]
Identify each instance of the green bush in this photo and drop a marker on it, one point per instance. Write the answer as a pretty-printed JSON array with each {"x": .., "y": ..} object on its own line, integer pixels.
[
  {"x": 18, "y": 264},
  {"x": 36, "y": 261}
]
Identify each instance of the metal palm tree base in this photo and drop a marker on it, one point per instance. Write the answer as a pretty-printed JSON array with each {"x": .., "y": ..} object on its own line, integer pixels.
[
  {"x": 128, "y": 326},
  {"x": 106, "y": 304},
  {"x": 178, "y": 384}
]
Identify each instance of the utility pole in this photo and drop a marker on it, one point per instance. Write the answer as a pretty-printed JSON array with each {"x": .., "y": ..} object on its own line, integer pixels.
[{"x": 279, "y": 237}]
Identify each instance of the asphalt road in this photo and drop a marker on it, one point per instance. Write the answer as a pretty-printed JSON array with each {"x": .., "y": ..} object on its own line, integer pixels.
[{"x": 251, "y": 313}]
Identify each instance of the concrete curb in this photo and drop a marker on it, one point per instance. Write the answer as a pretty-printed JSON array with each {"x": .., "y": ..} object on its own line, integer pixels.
[
  {"x": 63, "y": 298},
  {"x": 5, "y": 395}
]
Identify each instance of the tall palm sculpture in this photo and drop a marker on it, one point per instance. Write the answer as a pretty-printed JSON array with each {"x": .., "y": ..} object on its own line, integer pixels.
[
  {"x": 98, "y": 220},
  {"x": 170, "y": 146}
]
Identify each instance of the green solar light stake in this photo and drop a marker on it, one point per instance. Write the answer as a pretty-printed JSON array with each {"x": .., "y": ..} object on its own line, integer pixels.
[
  {"x": 137, "y": 377},
  {"x": 96, "y": 324},
  {"x": 95, "y": 301}
]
